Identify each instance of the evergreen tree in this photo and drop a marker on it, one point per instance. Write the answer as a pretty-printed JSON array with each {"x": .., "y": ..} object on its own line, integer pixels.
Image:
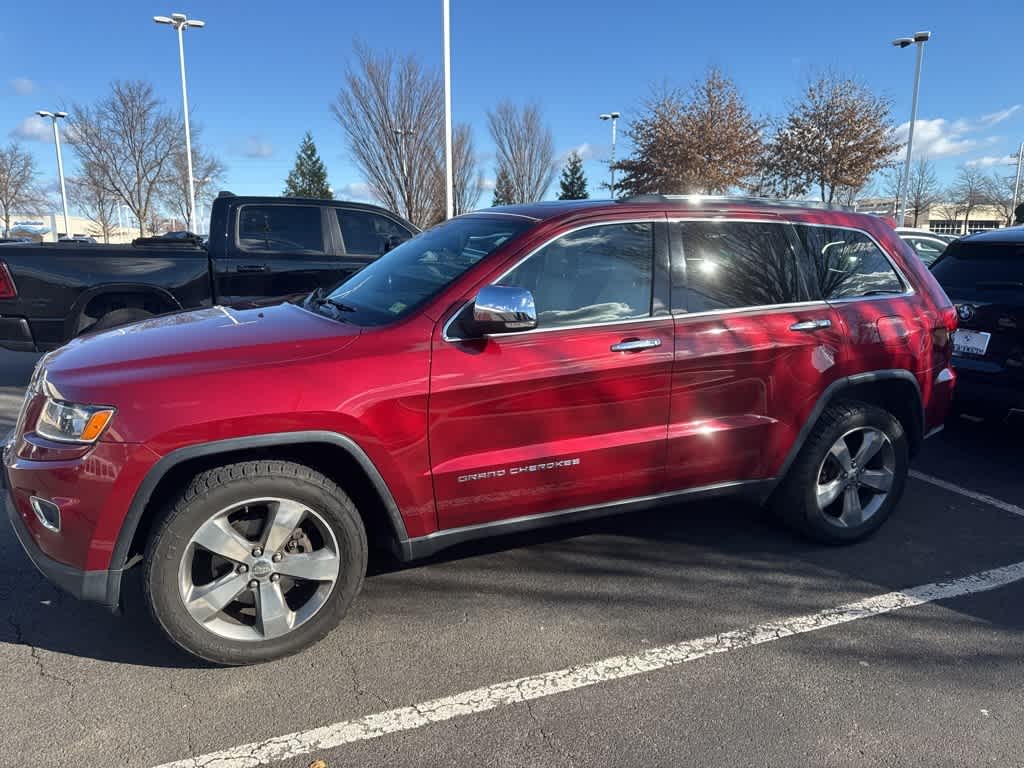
[
  {"x": 574, "y": 182},
  {"x": 503, "y": 192},
  {"x": 309, "y": 176}
]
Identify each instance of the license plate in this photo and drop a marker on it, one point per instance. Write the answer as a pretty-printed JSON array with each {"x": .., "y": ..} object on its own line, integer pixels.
[{"x": 971, "y": 342}]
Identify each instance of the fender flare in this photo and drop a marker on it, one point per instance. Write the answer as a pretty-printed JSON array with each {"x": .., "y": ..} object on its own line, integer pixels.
[
  {"x": 144, "y": 493},
  {"x": 138, "y": 289},
  {"x": 834, "y": 390}
]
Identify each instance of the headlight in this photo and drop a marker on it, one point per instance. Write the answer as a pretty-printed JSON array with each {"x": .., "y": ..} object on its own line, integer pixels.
[{"x": 71, "y": 423}]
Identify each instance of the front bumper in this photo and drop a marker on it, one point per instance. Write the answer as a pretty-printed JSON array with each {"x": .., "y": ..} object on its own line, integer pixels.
[{"x": 101, "y": 586}]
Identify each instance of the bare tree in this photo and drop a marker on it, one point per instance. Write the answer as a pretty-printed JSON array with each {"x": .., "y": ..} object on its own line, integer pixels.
[
  {"x": 837, "y": 137},
  {"x": 999, "y": 194},
  {"x": 949, "y": 210},
  {"x": 129, "y": 139},
  {"x": 391, "y": 113},
  {"x": 969, "y": 192},
  {"x": 467, "y": 175},
  {"x": 91, "y": 198},
  {"x": 207, "y": 172},
  {"x": 525, "y": 148},
  {"x": 923, "y": 191},
  {"x": 19, "y": 191}
]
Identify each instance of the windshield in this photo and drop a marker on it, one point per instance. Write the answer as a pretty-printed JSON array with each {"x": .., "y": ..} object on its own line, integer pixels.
[{"x": 404, "y": 278}]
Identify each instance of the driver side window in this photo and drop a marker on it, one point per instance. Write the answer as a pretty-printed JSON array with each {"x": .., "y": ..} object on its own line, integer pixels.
[{"x": 600, "y": 274}]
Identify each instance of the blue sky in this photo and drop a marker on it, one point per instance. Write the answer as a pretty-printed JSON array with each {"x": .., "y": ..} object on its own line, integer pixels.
[{"x": 262, "y": 73}]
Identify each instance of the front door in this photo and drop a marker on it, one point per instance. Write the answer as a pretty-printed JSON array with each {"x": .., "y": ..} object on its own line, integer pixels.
[
  {"x": 572, "y": 413},
  {"x": 755, "y": 348}
]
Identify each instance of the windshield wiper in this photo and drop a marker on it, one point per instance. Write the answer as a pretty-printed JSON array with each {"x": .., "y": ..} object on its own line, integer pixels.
[{"x": 317, "y": 299}]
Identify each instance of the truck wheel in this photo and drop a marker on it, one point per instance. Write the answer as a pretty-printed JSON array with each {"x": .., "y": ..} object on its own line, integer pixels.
[
  {"x": 119, "y": 317},
  {"x": 254, "y": 561},
  {"x": 848, "y": 476}
]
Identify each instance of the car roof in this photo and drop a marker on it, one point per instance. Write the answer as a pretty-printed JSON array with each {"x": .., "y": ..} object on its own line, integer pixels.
[
  {"x": 1004, "y": 235},
  {"x": 552, "y": 209}
]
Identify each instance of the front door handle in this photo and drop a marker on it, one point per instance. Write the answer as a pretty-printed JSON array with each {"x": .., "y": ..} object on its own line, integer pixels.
[
  {"x": 635, "y": 345},
  {"x": 810, "y": 325},
  {"x": 252, "y": 268}
]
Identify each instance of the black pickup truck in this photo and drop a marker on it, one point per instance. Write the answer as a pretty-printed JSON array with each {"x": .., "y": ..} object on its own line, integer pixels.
[{"x": 260, "y": 249}]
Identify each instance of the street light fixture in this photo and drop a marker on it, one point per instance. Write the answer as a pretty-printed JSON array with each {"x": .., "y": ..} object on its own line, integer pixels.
[
  {"x": 180, "y": 22},
  {"x": 920, "y": 38},
  {"x": 614, "y": 117},
  {"x": 54, "y": 117}
]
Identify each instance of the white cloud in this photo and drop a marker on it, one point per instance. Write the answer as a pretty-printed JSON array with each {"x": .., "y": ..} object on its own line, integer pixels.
[
  {"x": 990, "y": 161},
  {"x": 355, "y": 191},
  {"x": 487, "y": 184},
  {"x": 937, "y": 137},
  {"x": 998, "y": 117},
  {"x": 254, "y": 146},
  {"x": 34, "y": 129},
  {"x": 584, "y": 150},
  {"x": 22, "y": 86}
]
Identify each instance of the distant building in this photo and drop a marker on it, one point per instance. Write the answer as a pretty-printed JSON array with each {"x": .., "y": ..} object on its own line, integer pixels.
[
  {"x": 943, "y": 218},
  {"x": 49, "y": 227}
]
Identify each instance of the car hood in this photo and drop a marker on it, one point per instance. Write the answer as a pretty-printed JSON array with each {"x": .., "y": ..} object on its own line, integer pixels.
[{"x": 192, "y": 344}]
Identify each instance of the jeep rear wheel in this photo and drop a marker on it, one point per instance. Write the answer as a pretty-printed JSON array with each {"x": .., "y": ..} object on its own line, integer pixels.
[
  {"x": 848, "y": 476},
  {"x": 255, "y": 561}
]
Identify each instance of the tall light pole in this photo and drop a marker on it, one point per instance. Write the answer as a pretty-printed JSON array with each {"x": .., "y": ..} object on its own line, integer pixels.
[
  {"x": 614, "y": 117},
  {"x": 1016, "y": 184},
  {"x": 902, "y": 42},
  {"x": 54, "y": 117},
  {"x": 180, "y": 22},
  {"x": 449, "y": 178}
]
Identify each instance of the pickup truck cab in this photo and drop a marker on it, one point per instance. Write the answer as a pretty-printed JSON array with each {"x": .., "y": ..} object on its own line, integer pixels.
[{"x": 260, "y": 249}]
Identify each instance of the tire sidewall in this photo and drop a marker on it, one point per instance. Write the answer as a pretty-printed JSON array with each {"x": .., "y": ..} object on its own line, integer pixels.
[
  {"x": 861, "y": 415},
  {"x": 168, "y": 549}
]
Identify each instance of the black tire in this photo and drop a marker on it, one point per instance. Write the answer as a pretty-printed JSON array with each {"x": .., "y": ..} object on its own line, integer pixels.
[
  {"x": 119, "y": 317},
  {"x": 795, "y": 500},
  {"x": 217, "y": 489}
]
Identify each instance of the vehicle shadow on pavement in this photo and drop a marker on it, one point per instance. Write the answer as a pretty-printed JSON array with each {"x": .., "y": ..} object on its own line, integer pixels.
[{"x": 714, "y": 565}]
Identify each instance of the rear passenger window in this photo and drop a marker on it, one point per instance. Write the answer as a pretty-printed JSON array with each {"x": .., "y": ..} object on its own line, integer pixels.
[
  {"x": 280, "y": 228},
  {"x": 596, "y": 275},
  {"x": 369, "y": 233},
  {"x": 735, "y": 264},
  {"x": 846, "y": 264}
]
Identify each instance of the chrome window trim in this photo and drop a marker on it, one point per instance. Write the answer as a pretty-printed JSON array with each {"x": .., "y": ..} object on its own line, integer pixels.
[
  {"x": 818, "y": 304},
  {"x": 489, "y": 212},
  {"x": 542, "y": 246}
]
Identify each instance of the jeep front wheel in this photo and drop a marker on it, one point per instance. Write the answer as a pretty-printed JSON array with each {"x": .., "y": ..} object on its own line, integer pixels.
[{"x": 255, "y": 561}]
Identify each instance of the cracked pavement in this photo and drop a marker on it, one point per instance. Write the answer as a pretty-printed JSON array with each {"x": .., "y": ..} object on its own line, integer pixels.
[{"x": 934, "y": 685}]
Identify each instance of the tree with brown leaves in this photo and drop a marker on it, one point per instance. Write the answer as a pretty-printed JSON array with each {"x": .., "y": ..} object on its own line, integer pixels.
[
  {"x": 704, "y": 141},
  {"x": 834, "y": 139}
]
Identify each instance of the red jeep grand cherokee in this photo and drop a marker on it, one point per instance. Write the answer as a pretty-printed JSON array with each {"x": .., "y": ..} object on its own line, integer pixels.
[{"x": 509, "y": 369}]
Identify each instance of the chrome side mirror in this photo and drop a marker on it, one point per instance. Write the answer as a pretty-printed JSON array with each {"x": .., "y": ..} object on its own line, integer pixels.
[{"x": 504, "y": 309}]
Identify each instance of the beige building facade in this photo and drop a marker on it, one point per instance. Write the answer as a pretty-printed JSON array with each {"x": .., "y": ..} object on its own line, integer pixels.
[{"x": 49, "y": 227}]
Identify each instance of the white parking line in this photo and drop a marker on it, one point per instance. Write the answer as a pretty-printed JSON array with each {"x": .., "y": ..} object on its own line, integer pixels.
[
  {"x": 491, "y": 697},
  {"x": 984, "y": 498}
]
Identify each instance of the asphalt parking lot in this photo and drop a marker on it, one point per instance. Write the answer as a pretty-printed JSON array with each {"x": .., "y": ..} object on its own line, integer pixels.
[{"x": 697, "y": 635}]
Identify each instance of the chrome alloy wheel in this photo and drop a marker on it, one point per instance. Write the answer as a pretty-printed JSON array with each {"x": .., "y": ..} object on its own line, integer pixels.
[
  {"x": 259, "y": 569},
  {"x": 855, "y": 477}
]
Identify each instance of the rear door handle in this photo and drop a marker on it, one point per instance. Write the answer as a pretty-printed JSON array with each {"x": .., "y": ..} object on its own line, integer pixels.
[
  {"x": 252, "y": 268},
  {"x": 635, "y": 345},
  {"x": 810, "y": 325}
]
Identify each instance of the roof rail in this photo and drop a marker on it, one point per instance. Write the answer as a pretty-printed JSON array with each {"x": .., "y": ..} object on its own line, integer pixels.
[{"x": 766, "y": 202}]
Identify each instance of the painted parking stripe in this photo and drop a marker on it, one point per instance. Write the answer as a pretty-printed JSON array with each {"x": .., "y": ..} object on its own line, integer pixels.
[
  {"x": 490, "y": 697},
  {"x": 984, "y": 498}
]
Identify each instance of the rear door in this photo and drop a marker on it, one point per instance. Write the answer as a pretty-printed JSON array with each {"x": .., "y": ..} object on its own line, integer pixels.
[
  {"x": 754, "y": 349},
  {"x": 986, "y": 282},
  {"x": 365, "y": 236},
  {"x": 570, "y": 414},
  {"x": 884, "y": 325},
  {"x": 279, "y": 250}
]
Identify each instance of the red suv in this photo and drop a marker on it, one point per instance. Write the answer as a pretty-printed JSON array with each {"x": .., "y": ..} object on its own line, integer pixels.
[{"x": 512, "y": 368}]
